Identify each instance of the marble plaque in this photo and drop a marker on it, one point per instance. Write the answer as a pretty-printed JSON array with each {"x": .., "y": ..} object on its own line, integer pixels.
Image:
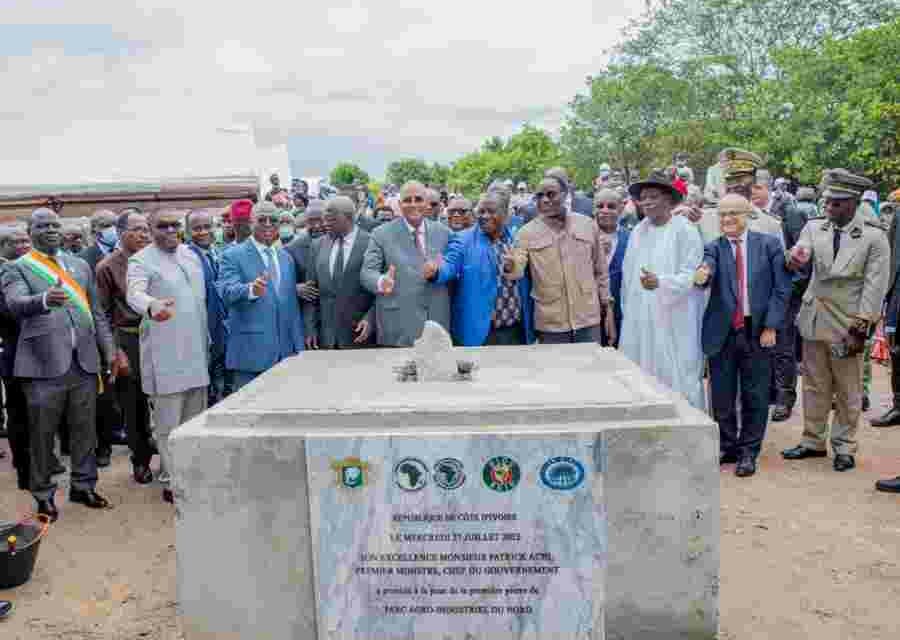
[{"x": 470, "y": 537}]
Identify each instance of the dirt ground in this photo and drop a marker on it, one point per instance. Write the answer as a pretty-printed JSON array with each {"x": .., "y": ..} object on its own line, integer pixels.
[{"x": 806, "y": 552}]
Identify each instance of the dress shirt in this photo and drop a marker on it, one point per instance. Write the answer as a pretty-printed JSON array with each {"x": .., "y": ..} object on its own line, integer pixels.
[
  {"x": 421, "y": 233},
  {"x": 347, "y": 241},
  {"x": 265, "y": 256},
  {"x": 746, "y": 269}
]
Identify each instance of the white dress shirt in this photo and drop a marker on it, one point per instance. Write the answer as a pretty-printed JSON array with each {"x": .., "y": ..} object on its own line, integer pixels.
[
  {"x": 347, "y": 241},
  {"x": 746, "y": 277}
]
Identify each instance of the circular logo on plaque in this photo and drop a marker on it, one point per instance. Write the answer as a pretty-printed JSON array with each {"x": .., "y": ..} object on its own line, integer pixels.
[
  {"x": 449, "y": 474},
  {"x": 411, "y": 474},
  {"x": 501, "y": 474},
  {"x": 562, "y": 473}
]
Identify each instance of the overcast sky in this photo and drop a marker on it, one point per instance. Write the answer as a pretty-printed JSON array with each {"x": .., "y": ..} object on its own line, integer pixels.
[{"x": 113, "y": 90}]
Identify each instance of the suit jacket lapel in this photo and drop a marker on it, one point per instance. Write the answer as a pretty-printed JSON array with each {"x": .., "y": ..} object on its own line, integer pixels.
[
  {"x": 728, "y": 265},
  {"x": 357, "y": 252},
  {"x": 323, "y": 268}
]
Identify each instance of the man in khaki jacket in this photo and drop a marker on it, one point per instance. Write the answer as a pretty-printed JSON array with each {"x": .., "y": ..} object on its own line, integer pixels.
[
  {"x": 569, "y": 271},
  {"x": 850, "y": 272}
]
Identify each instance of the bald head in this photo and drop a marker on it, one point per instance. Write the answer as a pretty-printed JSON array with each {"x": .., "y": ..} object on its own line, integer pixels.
[
  {"x": 101, "y": 219},
  {"x": 314, "y": 218},
  {"x": 339, "y": 216}
]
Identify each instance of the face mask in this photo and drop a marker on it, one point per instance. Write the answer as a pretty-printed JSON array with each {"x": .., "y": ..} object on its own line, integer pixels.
[
  {"x": 109, "y": 236},
  {"x": 286, "y": 232}
]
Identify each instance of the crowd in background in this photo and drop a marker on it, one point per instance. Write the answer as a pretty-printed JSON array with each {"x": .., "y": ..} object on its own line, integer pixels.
[{"x": 122, "y": 332}]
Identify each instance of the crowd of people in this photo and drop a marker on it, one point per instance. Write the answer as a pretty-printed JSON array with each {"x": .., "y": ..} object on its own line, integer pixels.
[{"x": 164, "y": 313}]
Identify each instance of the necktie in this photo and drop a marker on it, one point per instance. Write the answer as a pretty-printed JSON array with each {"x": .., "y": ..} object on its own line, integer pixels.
[
  {"x": 338, "y": 271},
  {"x": 271, "y": 265},
  {"x": 417, "y": 236},
  {"x": 737, "y": 319},
  {"x": 837, "y": 242}
]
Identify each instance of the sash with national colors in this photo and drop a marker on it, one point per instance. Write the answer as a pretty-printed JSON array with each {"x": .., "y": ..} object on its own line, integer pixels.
[{"x": 54, "y": 275}]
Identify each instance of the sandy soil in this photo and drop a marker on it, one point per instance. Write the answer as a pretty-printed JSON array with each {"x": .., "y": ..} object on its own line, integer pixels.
[{"x": 806, "y": 552}]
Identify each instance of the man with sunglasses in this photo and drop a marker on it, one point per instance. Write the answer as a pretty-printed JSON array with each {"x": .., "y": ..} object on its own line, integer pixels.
[
  {"x": 166, "y": 287},
  {"x": 459, "y": 214},
  {"x": 400, "y": 268},
  {"x": 575, "y": 202},
  {"x": 567, "y": 262},
  {"x": 258, "y": 287}
]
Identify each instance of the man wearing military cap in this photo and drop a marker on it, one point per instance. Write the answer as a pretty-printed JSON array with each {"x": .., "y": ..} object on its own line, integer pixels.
[{"x": 849, "y": 259}]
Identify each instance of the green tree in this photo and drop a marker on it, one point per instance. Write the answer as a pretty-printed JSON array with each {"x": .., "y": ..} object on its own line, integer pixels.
[
  {"x": 407, "y": 169},
  {"x": 347, "y": 173},
  {"x": 524, "y": 156}
]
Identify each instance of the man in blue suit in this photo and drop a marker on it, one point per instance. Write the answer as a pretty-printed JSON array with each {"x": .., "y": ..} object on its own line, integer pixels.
[
  {"x": 199, "y": 229},
  {"x": 608, "y": 205},
  {"x": 749, "y": 285},
  {"x": 258, "y": 285},
  {"x": 487, "y": 308}
]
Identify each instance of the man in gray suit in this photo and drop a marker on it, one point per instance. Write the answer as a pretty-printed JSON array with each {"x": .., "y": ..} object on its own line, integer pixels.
[
  {"x": 166, "y": 286},
  {"x": 399, "y": 267},
  {"x": 344, "y": 316},
  {"x": 57, "y": 358}
]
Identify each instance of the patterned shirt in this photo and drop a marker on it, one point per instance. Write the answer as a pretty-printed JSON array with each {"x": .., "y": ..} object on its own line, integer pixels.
[{"x": 508, "y": 309}]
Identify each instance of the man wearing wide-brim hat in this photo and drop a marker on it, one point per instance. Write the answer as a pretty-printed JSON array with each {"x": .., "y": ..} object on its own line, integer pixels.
[
  {"x": 661, "y": 309},
  {"x": 842, "y": 304}
]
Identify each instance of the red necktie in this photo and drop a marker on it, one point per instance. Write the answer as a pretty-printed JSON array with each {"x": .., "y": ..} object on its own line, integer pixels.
[
  {"x": 418, "y": 240},
  {"x": 737, "y": 319}
]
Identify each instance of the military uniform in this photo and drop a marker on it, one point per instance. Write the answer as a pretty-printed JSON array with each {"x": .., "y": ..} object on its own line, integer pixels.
[{"x": 843, "y": 289}]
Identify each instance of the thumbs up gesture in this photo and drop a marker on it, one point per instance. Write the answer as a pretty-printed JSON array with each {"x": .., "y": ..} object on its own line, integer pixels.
[
  {"x": 701, "y": 275},
  {"x": 388, "y": 281},
  {"x": 56, "y": 295}
]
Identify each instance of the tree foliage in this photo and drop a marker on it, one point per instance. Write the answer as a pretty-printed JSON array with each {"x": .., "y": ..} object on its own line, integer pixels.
[
  {"x": 346, "y": 173},
  {"x": 524, "y": 156},
  {"x": 416, "y": 169}
]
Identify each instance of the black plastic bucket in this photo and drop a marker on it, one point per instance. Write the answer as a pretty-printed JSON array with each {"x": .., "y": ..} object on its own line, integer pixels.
[{"x": 17, "y": 565}]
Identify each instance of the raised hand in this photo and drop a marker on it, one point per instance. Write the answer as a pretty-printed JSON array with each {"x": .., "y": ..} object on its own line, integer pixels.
[
  {"x": 258, "y": 286},
  {"x": 56, "y": 295},
  {"x": 165, "y": 311},
  {"x": 388, "y": 281},
  {"x": 701, "y": 275}
]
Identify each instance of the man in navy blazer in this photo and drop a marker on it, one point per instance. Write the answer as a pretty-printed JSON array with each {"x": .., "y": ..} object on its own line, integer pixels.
[
  {"x": 749, "y": 287},
  {"x": 258, "y": 285},
  {"x": 608, "y": 206},
  {"x": 199, "y": 230},
  {"x": 487, "y": 308}
]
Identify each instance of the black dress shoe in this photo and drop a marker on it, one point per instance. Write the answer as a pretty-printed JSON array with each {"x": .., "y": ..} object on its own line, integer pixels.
[
  {"x": 6, "y": 608},
  {"x": 103, "y": 459},
  {"x": 800, "y": 452},
  {"x": 142, "y": 474},
  {"x": 781, "y": 413},
  {"x": 843, "y": 462},
  {"x": 891, "y": 485},
  {"x": 746, "y": 467},
  {"x": 47, "y": 508},
  {"x": 88, "y": 498},
  {"x": 727, "y": 458},
  {"x": 168, "y": 496},
  {"x": 890, "y": 419},
  {"x": 866, "y": 404}
]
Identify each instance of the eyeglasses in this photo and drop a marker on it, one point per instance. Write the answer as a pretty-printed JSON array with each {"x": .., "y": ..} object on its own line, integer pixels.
[
  {"x": 411, "y": 199},
  {"x": 168, "y": 226},
  {"x": 550, "y": 195},
  {"x": 457, "y": 212},
  {"x": 267, "y": 220}
]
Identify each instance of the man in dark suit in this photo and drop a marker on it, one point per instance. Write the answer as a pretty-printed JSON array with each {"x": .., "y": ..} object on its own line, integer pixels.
[
  {"x": 14, "y": 243},
  {"x": 576, "y": 202},
  {"x": 258, "y": 285},
  {"x": 608, "y": 205},
  {"x": 394, "y": 270},
  {"x": 749, "y": 285},
  {"x": 344, "y": 317},
  {"x": 299, "y": 248},
  {"x": 109, "y": 419},
  {"x": 199, "y": 230},
  {"x": 61, "y": 328}
]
